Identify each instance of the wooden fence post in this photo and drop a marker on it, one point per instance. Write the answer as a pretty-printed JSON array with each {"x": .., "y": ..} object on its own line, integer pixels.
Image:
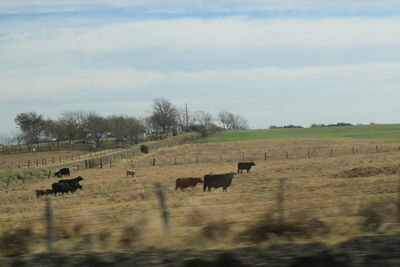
[
  {"x": 265, "y": 155},
  {"x": 154, "y": 162},
  {"x": 163, "y": 205},
  {"x": 354, "y": 151},
  {"x": 101, "y": 163},
  {"x": 280, "y": 200},
  {"x": 50, "y": 224}
]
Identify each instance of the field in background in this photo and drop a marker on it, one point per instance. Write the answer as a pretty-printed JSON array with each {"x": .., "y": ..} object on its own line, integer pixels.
[
  {"x": 327, "y": 197},
  {"x": 376, "y": 131}
]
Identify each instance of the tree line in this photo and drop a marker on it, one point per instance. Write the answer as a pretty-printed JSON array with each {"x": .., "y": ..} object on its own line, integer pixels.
[{"x": 91, "y": 127}]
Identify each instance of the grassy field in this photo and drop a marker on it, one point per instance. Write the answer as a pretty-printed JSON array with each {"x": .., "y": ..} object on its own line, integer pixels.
[
  {"x": 327, "y": 197},
  {"x": 377, "y": 131}
]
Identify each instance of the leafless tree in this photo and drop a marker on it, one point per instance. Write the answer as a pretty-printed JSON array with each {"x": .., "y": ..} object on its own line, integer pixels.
[{"x": 164, "y": 115}]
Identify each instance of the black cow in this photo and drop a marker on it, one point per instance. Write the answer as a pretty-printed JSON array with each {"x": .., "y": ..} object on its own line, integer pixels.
[
  {"x": 62, "y": 188},
  {"x": 217, "y": 180},
  {"x": 73, "y": 183},
  {"x": 67, "y": 185},
  {"x": 62, "y": 172},
  {"x": 245, "y": 166},
  {"x": 43, "y": 192}
]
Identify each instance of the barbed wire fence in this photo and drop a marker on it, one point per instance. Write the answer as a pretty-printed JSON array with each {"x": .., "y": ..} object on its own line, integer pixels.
[{"x": 250, "y": 210}]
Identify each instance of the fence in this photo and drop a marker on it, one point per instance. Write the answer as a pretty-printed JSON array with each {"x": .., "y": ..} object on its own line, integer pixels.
[
  {"x": 91, "y": 159},
  {"x": 245, "y": 210},
  {"x": 298, "y": 153}
]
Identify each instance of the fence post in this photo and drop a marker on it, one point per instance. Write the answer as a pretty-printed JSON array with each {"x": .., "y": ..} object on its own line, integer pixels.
[
  {"x": 265, "y": 155},
  {"x": 280, "y": 200},
  {"x": 376, "y": 148},
  {"x": 154, "y": 162},
  {"x": 308, "y": 154},
  {"x": 243, "y": 156},
  {"x": 331, "y": 152},
  {"x": 101, "y": 163},
  {"x": 163, "y": 205},
  {"x": 354, "y": 151},
  {"x": 287, "y": 154},
  {"x": 50, "y": 224}
]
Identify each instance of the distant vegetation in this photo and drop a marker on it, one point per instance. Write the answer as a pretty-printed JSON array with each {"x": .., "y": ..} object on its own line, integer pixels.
[
  {"x": 91, "y": 128},
  {"x": 381, "y": 131}
]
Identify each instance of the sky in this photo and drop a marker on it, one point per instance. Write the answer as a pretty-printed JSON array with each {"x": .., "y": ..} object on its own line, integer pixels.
[{"x": 273, "y": 62}]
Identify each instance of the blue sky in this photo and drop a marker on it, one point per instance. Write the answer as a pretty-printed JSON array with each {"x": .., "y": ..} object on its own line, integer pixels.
[{"x": 273, "y": 62}]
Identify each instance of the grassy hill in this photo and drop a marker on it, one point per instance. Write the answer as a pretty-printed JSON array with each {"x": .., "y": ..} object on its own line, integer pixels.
[{"x": 378, "y": 131}]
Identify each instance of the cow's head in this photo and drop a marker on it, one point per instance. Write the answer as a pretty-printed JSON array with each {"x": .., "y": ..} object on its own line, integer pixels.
[
  {"x": 79, "y": 178},
  {"x": 252, "y": 163}
]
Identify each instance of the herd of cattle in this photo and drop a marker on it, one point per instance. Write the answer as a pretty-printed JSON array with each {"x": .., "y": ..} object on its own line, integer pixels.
[
  {"x": 213, "y": 180},
  {"x": 63, "y": 185},
  {"x": 209, "y": 181}
]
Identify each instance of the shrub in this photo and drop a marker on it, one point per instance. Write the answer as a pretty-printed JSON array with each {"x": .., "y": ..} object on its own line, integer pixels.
[
  {"x": 144, "y": 149},
  {"x": 16, "y": 242},
  {"x": 374, "y": 215}
]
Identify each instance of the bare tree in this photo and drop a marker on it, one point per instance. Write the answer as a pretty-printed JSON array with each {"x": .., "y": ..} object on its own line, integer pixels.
[
  {"x": 164, "y": 115},
  {"x": 224, "y": 119},
  {"x": 96, "y": 127},
  {"x": 231, "y": 121},
  {"x": 135, "y": 129},
  {"x": 204, "y": 119}
]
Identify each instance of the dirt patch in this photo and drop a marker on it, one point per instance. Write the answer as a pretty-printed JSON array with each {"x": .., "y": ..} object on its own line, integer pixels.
[{"x": 367, "y": 171}]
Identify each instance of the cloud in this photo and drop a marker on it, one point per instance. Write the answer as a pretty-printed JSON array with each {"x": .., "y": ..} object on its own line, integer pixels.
[
  {"x": 185, "y": 7},
  {"x": 203, "y": 44}
]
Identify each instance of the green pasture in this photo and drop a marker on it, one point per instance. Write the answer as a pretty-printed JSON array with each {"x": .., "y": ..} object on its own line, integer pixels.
[{"x": 391, "y": 132}]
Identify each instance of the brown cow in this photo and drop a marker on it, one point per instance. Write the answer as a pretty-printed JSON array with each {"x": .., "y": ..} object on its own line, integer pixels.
[{"x": 186, "y": 182}]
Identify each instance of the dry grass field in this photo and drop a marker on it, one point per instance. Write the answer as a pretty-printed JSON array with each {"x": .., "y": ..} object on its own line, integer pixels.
[{"x": 328, "y": 194}]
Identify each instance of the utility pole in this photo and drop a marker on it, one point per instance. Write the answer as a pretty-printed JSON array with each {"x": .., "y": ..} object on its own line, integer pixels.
[{"x": 186, "y": 116}]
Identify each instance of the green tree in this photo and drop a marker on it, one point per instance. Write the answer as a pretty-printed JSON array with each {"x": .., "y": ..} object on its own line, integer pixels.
[{"x": 31, "y": 125}]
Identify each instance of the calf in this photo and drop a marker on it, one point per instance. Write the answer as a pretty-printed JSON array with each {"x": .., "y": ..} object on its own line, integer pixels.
[
  {"x": 43, "y": 192},
  {"x": 245, "y": 166},
  {"x": 130, "y": 173},
  {"x": 187, "y": 182}
]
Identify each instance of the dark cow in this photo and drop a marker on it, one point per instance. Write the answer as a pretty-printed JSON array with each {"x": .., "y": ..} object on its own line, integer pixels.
[
  {"x": 187, "y": 182},
  {"x": 67, "y": 185},
  {"x": 130, "y": 173},
  {"x": 43, "y": 192},
  {"x": 62, "y": 188},
  {"x": 62, "y": 172},
  {"x": 245, "y": 166},
  {"x": 218, "y": 180},
  {"x": 73, "y": 183}
]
